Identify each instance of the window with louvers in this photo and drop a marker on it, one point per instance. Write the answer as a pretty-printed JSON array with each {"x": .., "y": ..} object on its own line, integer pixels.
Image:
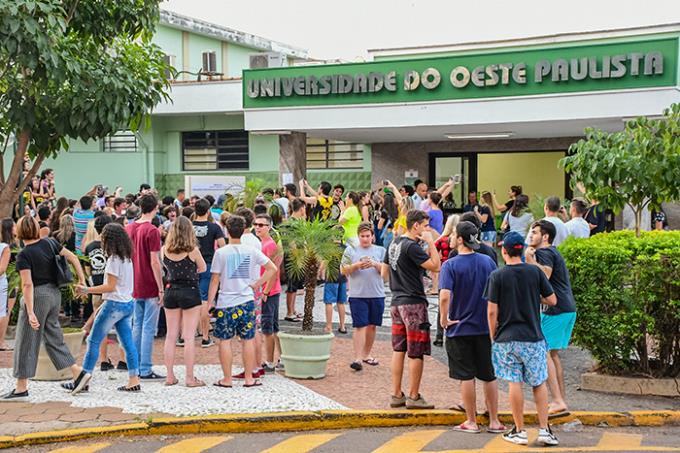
[
  {"x": 215, "y": 150},
  {"x": 120, "y": 142},
  {"x": 331, "y": 154}
]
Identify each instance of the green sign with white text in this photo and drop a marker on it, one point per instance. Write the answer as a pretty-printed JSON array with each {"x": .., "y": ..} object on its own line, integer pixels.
[{"x": 579, "y": 68}]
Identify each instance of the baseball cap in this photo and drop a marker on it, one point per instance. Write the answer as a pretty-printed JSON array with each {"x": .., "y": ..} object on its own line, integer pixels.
[
  {"x": 468, "y": 232},
  {"x": 513, "y": 241}
]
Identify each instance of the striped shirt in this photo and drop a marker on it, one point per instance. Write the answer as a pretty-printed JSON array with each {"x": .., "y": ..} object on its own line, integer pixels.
[{"x": 80, "y": 221}]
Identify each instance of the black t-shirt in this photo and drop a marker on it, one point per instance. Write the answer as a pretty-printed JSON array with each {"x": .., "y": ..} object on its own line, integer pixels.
[
  {"x": 97, "y": 262},
  {"x": 39, "y": 259},
  {"x": 483, "y": 249},
  {"x": 406, "y": 276},
  {"x": 517, "y": 290},
  {"x": 595, "y": 216},
  {"x": 559, "y": 280},
  {"x": 490, "y": 224},
  {"x": 509, "y": 204},
  {"x": 207, "y": 233}
]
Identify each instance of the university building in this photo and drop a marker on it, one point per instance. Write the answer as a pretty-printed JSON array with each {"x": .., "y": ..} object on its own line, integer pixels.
[{"x": 498, "y": 113}]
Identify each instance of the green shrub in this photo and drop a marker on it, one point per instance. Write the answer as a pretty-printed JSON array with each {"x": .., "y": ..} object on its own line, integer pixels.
[{"x": 627, "y": 292}]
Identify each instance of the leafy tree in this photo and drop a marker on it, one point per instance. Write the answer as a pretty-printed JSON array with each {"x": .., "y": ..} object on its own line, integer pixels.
[
  {"x": 72, "y": 69},
  {"x": 310, "y": 245},
  {"x": 638, "y": 166}
]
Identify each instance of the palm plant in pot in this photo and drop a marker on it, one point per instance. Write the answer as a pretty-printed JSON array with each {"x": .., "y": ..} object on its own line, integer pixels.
[{"x": 309, "y": 246}]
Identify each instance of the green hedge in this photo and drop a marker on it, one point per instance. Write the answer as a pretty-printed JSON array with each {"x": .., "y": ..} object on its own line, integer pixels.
[{"x": 627, "y": 292}]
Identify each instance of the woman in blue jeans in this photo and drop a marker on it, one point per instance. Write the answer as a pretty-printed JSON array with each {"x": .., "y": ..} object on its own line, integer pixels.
[{"x": 116, "y": 311}]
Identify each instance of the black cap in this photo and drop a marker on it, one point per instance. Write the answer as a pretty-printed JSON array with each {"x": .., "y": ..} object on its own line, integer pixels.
[{"x": 468, "y": 232}]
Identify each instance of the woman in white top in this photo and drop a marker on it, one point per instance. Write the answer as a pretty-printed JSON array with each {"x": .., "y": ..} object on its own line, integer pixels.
[
  {"x": 116, "y": 310},
  {"x": 518, "y": 218},
  {"x": 7, "y": 237}
]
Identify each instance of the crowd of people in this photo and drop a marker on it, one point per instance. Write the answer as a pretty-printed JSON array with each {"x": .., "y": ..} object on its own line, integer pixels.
[{"x": 190, "y": 264}]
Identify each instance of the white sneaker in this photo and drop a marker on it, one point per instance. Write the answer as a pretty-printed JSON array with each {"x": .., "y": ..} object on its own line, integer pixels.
[
  {"x": 546, "y": 437},
  {"x": 516, "y": 437}
]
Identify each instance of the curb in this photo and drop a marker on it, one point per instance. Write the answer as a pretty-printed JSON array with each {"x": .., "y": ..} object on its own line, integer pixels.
[{"x": 321, "y": 420}]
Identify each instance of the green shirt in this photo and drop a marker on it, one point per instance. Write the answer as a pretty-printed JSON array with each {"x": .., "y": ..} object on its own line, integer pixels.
[{"x": 353, "y": 219}]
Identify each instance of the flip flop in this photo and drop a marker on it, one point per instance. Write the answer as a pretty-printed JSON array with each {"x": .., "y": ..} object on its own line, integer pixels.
[
  {"x": 500, "y": 430},
  {"x": 219, "y": 384},
  {"x": 291, "y": 319},
  {"x": 196, "y": 383},
  {"x": 254, "y": 384},
  {"x": 343, "y": 331},
  {"x": 170, "y": 384},
  {"x": 457, "y": 407},
  {"x": 371, "y": 361},
  {"x": 464, "y": 429},
  {"x": 134, "y": 388},
  {"x": 558, "y": 414},
  {"x": 7, "y": 349}
]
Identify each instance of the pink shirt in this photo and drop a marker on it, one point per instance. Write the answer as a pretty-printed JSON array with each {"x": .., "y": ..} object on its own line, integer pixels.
[{"x": 270, "y": 249}]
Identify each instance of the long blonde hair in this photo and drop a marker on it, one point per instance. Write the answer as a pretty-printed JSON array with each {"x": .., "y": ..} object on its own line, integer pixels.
[
  {"x": 91, "y": 234},
  {"x": 181, "y": 237},
  {"x": 66, "y": 228},
  {"x": 406, "y": 205},
  {"x": 486, "y": 200},
  {"x": 451, "y": 224}
]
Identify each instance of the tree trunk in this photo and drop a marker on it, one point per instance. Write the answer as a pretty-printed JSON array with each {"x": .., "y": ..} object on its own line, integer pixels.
[
  {"x": 638, "y": 221},
  {"x": 310, "y": 287},
  {"x": 13, "y": 187}
]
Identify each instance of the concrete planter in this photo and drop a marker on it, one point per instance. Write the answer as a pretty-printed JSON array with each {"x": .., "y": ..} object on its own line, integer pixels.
[
  {"x": 46, "y": 370},
  {"x": 305, "y": 356},
  {"x": 630, "y": 385}
]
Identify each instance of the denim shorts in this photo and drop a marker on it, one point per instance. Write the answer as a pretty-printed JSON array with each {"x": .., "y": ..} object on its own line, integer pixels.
[
  {"x": 335, "y": 293},
  {"x": 557, "y": 329},
  {"x": 204, "y": 283},
  {"x": 488, "y": 236},
  {"x": 235, "y": 321},
  {"x": 521, "y": 361}
]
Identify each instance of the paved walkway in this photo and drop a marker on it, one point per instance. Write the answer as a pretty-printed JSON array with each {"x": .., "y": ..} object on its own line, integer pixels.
[{"x": 52, "y": 408}]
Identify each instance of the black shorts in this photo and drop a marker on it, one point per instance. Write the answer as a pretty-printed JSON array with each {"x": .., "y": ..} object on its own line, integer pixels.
[
  {"x": 470, "y": 358},
  {"x": 294, "y": 285},
  {"x": 182, "y": 297}
]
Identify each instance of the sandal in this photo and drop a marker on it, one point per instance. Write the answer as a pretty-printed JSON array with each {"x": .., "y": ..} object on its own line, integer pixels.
[
  {"x": 558, "y": 414},
  {"x": 291, "y": 319},
  {"x": 196, "y": 383},
  {"x": 500, "y": 430},
  {"x": 458, "y": 408},
  {"x": 171, "y": 383},
  {"x": 371, "y": 361},
  {"x": 134, "y": 388},
  {"x": 254, "y": 384},
  {"x": 342, "y": 331},
  {"x": 463, "y": 428},
  {"x": 219, "y": 384}
]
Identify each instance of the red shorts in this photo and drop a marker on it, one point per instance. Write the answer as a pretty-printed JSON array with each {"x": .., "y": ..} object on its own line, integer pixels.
[{"x": 411, "y": 330}]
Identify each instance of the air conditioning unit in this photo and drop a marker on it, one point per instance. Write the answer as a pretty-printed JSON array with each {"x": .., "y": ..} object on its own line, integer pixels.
[
  {"x": 209, "y": 62},
  {"x": 267, "y": 60},
  {"x": 169, "y": 60}
]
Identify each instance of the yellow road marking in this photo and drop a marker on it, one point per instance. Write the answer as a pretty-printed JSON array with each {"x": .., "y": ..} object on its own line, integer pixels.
[
  {"x": 82, "y": 448},
  {"x": 411, "y": 442},
  {"x": 620, "y": 441},
  {"x": 194, "y": 445},
  {"x": 302, "y": 443}
]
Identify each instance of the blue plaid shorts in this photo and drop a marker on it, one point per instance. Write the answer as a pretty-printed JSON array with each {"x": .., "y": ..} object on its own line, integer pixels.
[
  {"x": 521, "y": 361},
  {"x": 235, "y": 321}
]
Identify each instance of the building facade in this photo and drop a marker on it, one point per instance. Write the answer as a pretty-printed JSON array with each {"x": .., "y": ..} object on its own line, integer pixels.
[{"x": 497, "y": 113}]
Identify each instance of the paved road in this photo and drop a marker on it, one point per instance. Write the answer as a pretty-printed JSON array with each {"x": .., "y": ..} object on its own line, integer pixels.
[{"x": 386, "y": 440}]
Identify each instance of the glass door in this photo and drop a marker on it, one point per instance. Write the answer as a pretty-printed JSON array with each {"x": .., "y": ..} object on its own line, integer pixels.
[{"x": 461, "y": 167}]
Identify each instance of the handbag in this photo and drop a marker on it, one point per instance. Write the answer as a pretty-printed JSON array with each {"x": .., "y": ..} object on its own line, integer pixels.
[{"x": 63, "y": 270}]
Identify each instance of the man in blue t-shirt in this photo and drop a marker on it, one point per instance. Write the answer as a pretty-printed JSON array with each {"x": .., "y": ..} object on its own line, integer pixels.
[{"x": 463, "y": 311}]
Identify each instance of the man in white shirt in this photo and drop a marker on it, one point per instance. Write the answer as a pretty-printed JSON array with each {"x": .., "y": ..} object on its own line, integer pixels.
[
  {"x": 421, "y": 193},
  {"x": 553, "y": 211},
  {"x": 236, "y": 272},
  {"x": 248, "y": 237},
  {"x": 577, "y": 226}
]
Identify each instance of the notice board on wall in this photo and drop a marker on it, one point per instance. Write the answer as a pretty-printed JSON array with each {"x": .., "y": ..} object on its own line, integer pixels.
[{"x": 202, "y": 185}]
